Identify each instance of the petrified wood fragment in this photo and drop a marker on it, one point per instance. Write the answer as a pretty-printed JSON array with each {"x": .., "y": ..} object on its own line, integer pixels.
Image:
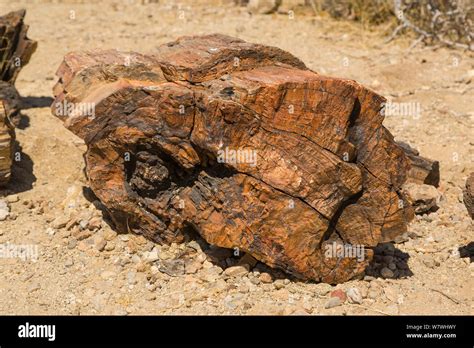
[
  {"x": 7, "y": 138},
  {"x": 422, "y": 170},
  {"x": 15, "y": 47},
  {"x": 244, "y": 144},
  {"x": 468, "y": 195},
  {"x": 15, "y": 51}
]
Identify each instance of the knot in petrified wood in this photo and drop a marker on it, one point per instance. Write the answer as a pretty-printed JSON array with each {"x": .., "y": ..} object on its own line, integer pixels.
[{"x": 244, "y": 144}]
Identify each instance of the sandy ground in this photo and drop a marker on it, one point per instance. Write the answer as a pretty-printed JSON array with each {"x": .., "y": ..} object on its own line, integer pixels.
[{"x": 86, "y": 268}]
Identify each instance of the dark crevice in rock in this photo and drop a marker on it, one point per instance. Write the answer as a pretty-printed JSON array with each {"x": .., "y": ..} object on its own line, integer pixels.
[{"x": 333, "y": 222}]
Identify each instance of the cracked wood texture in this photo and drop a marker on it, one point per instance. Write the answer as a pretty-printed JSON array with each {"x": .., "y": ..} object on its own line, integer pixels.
[
  {"x": 325, "y": 169},
  {"x": 15, "y": 52}
]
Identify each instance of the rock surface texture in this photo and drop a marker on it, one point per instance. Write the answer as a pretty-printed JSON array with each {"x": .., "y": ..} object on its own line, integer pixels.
[{"x": 241, "y": 143}]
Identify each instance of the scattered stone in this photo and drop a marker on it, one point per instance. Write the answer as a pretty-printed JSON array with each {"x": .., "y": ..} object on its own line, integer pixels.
[
  {"x": 279, "y": 284},
  {"x": 237, "y": 271},
  {"x": 60, "y": 222},
  {"x": 72, "y": 243},
  {"x": 132, "y": 278},
  {"x": 109, "y": 246},
  {"x": 391, "y": 294},
  {"x": 110, "y": 234},
  {"x": 166, "y": 255},
  {"x": 95, "y": 223},
  {"x": 192, "y": 266},
  {"x": 340, "y": 294},
  {"x": 249, "y": 260},
  {"x": 151, "y": 256},
  {"x": 373, "y": 294},
  {"x": 424, "y": 198},
  {"x": 430, "y": 262},
  {"x": 265, "y": 278},
  {"x": 333, "y": 302},
  {"x": 50, "y": 231},
  {"x": 324, "y": 289},
  {"x": 81, "y": 234},
  {"x": 364, "y": 291},
  {"x": 233, "y": 301},
  {"x": 254, "y": 280},
  {"x": 4, "y": 210},
  {"x": 243, "y": 288},
  {"x": 307, "y": 307},
  {"x": 263, "y": 6},
  {"x": 281, "y": 295},
  {"x": 142, "y": 266},
  {"x": 386, "y": 272},
  {"x": 13, "y": 199},
  {"x": 194, "y": 245},
  {"x": 173, "y": 268},
  {"x": 100, "y": 243},
  {"x": 210, "y": 274},
  {"x": 354, "y": 295},
  {"x": 83, "y": 224},
  {"x": 73, "y": 221},
  {"x": 150, "y": 286}
]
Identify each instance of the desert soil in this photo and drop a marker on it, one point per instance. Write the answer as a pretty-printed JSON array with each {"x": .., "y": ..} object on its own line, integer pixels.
[{"x": 84, "y": 267}]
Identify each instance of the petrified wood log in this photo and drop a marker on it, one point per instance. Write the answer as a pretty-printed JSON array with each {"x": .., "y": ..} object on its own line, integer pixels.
[
  {"x": 15, "y": 52},
  {"x": 244, "y": 144},
  {"x": 468, "y": 195},
  {"x": 7, "y": 138},
  {"x": 15, "y": 47},
  {"x": 422, "y": 170}
]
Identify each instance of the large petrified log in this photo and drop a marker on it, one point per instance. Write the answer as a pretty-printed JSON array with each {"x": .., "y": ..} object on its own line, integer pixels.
[
  {"x": 244, "y": 144},
  {"x": 15, "y": 52}
]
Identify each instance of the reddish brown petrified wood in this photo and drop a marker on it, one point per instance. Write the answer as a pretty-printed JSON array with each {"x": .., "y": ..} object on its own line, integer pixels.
[
  {"x": 15, "y": 52},
  {"x": 325, "y": 171}
]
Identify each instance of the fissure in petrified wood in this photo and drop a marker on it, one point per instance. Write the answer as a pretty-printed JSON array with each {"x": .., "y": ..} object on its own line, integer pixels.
[{"x": 324, "y": 168}]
